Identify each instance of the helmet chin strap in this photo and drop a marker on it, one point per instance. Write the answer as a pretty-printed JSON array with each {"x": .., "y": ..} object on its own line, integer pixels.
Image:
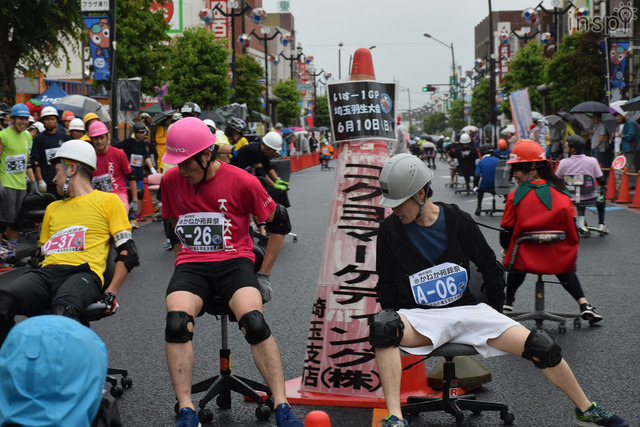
[
  {"x": 214, "y": 151},
  {"x": 65, "y": 187},
  {"x": 420, "y": 204}
]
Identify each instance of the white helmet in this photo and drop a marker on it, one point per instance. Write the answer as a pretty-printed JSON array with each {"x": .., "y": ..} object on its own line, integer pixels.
[
  {"x": 78, "y": 150},
  {"x": 401, "y": 178},
  {"x": 211, "y": 124},
  {"x": 48, "y": 111},
  {"x": 39, "y": 126},
  {"x": 76, "y": 124},
  {"x": 273, "y": 140},
  {"x": 465, "y": 138}
]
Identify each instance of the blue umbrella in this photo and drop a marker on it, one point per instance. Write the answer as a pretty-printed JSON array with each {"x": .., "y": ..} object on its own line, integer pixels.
[{"x": 286, "y": 130}]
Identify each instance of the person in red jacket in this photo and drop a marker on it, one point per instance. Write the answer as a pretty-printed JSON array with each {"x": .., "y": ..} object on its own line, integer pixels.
[{"x": 541, "y": 192}]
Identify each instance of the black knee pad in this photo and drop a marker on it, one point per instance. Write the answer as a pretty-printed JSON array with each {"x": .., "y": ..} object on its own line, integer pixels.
[
  {"x": 176, "y": 330},
  {"x": 140, "y": 195},
  {"x": 386, "y": 329},
  {"x": 8, "y": 310},
  {"x": 256, "y": 329},
  {"x": 66, "y": 311},
  {"x": 541, "y": 346}
]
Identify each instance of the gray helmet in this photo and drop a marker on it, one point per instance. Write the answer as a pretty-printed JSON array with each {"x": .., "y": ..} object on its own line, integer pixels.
[
  {"x": 578, "y": 143},
  {"x": 139, "y": 127},
  {"x": 190, "y": 109},
  {"x": 401, "y": 178}
]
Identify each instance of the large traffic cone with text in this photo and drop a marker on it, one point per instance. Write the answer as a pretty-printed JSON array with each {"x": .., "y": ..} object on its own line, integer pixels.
[
  {"x": 611, "y": 186},
  {"x": 147, "y": 204},
  {"x": 623, "y": 194},
  {"x": 636, "y": 196}
]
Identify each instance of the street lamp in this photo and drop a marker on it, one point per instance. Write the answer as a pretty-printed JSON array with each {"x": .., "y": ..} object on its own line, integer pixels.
[
  {"x": 340, "y": 60},
  {"x": 265, "y": 39},
  {"x": 293, "y": 58},
  {"x": 453, "y": 59}
]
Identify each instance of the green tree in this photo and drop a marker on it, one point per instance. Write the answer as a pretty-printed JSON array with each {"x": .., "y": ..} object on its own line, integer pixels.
[
  {"x": 248, "y": 90},
  {"x": 141, "y": 56},
  {"x": 434, "y": 123},
  {"x": 322, "y": 112},
  {"x": 526, "y": 70},
  {"x": 32, "y": 34},
  {"x": 456, "y": 114},
  {"x": 577, "y": 71},
  {"x": 197, "y": 68},
  {"x": 288, "y": 108},
  {"x": 480, "y": 106}
]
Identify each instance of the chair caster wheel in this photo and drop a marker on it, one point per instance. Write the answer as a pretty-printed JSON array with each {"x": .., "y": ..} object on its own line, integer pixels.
[
  {"x": 577, "y": 324},
  {"x": 295, "y": 239},
  {"x": 205, "y": 415},
  {"x": 562, "y": 328},
  {"x": 263, "y": 412},
  {"x": 270, "y": 403},
  {"x": 463, "y": 423},
  {"x": 223, "y": 402},
  {"x": 507, "y": 417},
  {"x": 126, "y": 382},
  {"x": 116, "y": 391},
  {"x": 476, "y": 412}
]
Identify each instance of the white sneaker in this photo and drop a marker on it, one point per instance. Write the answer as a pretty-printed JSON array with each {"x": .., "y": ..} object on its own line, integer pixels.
[{"x": 603, "y": 229}]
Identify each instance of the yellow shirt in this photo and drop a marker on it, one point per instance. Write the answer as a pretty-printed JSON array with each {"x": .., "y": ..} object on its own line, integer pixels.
[
  {"x": 78, "y": 230},
  {"x": 161, "y": 144}
]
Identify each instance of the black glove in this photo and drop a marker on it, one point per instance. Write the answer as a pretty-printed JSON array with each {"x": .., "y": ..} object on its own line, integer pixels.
[{"x": 109, "y": 300}]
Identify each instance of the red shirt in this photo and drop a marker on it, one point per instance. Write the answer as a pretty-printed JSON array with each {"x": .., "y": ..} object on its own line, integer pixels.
[
  {"x": 213, "y": 225},
  {"x": 530, "y": 214},
  {"x": 111, "y": 172}
]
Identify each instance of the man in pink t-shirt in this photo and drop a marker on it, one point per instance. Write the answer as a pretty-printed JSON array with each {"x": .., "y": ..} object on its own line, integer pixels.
[
  {"x": 113, "y": 169},
  {"x": 209, "y": 204}
]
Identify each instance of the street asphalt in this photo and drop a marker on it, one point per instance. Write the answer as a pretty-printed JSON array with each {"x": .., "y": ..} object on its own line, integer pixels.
[{"x": 603, "y": 357}]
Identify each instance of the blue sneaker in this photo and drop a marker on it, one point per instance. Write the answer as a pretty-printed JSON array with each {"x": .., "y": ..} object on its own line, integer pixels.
[
  {"x": 187, "y": 417},
  {"x": 598, "y": 416},
  {"x": 285, "y": 417},
  {"x": 393, "y": 421}
]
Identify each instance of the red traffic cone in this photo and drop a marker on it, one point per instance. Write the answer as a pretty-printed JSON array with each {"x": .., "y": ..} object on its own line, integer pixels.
[
  {"x": 611, "y": 185},
  {"x": 636, "y": 196},
  {"x": 362, "y": 66},
  {"x": 623, "y": 194},
  {"x": 147, "y": 204},
  {"x": 317, "y": 419}
]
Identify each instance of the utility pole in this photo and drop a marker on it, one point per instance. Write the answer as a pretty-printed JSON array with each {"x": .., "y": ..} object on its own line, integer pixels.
[{"x": 492, "y": 78}]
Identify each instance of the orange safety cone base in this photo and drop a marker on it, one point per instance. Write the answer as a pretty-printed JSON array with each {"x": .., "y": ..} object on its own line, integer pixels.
[
  {"x": 611, "y": 186},
  {"x": 147, "y": 204},
  {"x": 636, "y": 195},
  {"x": 623, "y": 194}
]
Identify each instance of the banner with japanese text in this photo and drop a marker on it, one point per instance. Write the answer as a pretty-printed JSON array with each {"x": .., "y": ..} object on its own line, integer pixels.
[
  {"x": 362, "y": 109},
  {"x": 521, "y": 113}
]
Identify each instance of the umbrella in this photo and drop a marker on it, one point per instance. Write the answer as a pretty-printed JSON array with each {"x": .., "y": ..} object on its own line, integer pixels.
[
  {"x": 160, "y": 117},
  {"x": 632, "y": 105},
  {"x": 615, "y": 109},
  {"x": 577, "y": 125},
  {"x": 536, "y": 116},
  {"x": 508, "y": 129},
  {"x": 80, "y": 105},
  {"x": 213, "y": 115},
  {"x": 610, "y": 124},
  {"x": 555, "y": 121},
  {"x": 285, "y": 131},
  {"x": 583, "y": 122},
  {"x": 590, "y": 107},
  {"x": 319, "y": 129},
  {"x": 469, "y": 129}
]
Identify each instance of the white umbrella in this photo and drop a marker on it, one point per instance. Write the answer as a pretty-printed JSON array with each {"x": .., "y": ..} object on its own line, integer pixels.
[
  {"x": 508, "y": 129},
  {"x": 81, "y": 105},
  {"x": 469, "y": 129},
  {"x": 536, "y": 116}
]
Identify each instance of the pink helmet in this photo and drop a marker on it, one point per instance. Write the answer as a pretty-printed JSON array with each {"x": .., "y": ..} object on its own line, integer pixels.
[
  {"x": 97, "y": 129},
  {"x": 186, "y": 138}
]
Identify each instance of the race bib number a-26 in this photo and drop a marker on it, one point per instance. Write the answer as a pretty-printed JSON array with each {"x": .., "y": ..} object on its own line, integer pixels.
[
  {"x": 202, "y": 231},
  {"x": 439, "y": 285}
]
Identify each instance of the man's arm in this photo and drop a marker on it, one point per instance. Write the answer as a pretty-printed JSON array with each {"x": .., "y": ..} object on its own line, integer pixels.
[{"x": 274, "y": 246}]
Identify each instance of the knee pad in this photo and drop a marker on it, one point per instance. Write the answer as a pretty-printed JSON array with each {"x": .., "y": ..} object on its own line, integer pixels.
[
  {"x": 66, "y": 311},
  {"x": 386, "y": 329},
  {"x": 8, "y": 310},
  {"x": 256, "y": 329},
  {"x": 140, "y": 195},
  {"x": 541, "y": 346},
  {"x": 176, "y": 330}
]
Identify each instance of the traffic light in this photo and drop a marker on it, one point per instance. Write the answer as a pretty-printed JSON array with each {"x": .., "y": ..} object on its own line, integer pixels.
[{"x": 429, "y": 88}]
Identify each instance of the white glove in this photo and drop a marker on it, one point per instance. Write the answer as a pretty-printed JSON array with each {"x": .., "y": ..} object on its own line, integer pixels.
[
  {"x": 42, "y": 186},
  {"x": 475, "y": 189},
  {"x": 133, "y": 206},
  {"x": 154, "y": 171},
  {"x": 265, "y": 286}
]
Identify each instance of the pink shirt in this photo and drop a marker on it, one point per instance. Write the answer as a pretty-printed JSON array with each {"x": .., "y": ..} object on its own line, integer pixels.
[
  {"x": 580, "y": 164},
  {"x": 213, "y": 225},
  {"x": 111, "y": 171}
]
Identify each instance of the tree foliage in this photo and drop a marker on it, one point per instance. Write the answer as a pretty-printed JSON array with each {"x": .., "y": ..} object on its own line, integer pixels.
[
  {"x": 32, "y": 34},
  {"x": 434, "y": 123},
  {"x": 480, "y": 105},
  {"x": 577, "y": 71},
  {"x": 288, "y": 108},
  {"x": 322, "y": 112},
  {"x": 142, "y": 43},
  {"x": 456, "y": 114},
  {"x": 197, "y": 68},
  {"x": 526, "y": 71},
  {"x": 247, "y": 73}
]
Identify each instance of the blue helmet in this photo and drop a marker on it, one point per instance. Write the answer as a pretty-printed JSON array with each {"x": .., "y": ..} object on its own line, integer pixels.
[{"x": 19, "y": 110}]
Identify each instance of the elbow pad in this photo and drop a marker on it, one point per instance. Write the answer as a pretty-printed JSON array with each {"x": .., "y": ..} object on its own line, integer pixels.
[
  {"x": 505, "y": 236},
  {"x": 281, "y": 223},
  {"x": 131, "y": 259}
]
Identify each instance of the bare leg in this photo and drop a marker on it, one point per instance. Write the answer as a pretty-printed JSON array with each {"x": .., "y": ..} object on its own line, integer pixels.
[
  {"x": 271, "y": 254},
  {"x": 513, "y": 339}
]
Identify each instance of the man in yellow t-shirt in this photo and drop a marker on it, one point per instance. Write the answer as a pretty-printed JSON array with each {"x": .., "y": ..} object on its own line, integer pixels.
[{"x": 75, "y": 239}]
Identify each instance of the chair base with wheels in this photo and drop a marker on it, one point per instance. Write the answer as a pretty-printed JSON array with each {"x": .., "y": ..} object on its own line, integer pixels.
[
  {"x": 493, "y": 209},
  {"x": 450, "y": 402}
]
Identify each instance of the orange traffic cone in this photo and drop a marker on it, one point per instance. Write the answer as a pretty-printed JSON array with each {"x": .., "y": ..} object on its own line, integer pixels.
[
  {"x": 636, "y": 195},
  {"x": 317, "y": 419},
  {"x": 611, "y": 185},
  {"x": 147, "y": 204},
  {"x": 623, "y": 194}
]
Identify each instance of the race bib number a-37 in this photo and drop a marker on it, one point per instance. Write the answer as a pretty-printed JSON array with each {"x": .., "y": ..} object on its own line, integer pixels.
[
  {"x": 439, "y": 285},
  {"x": 201, "y": 232},
  {"x": 70, "y": 239}
]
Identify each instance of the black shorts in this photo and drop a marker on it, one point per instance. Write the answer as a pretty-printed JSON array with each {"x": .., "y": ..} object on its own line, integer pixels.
[
  {"x": 68, "y": 285},
  {"x": 222, "y": 278}
]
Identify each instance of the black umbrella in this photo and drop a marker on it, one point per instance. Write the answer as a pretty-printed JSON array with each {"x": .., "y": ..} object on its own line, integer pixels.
[
  {"x": 590, "y": 107},
  {"x": 577, "y": 126},
  {"x": 555, "y": 121},
  {"x": 213, "y": 115},
  {"x": 160, "y": 117}
]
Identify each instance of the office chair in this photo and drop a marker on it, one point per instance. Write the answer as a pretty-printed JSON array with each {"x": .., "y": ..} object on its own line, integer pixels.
[{"x": 578, "y": 184}]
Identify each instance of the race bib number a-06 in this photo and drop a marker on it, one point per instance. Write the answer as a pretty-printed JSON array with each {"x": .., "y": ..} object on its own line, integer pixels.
[
  {"x": 439, "y": 285},
  {"x": 201, "y": 232},
  {"x": 70, "y": 239}
]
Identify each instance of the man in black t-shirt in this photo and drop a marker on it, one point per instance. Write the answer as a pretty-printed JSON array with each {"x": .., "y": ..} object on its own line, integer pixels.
[{"x": 44, "y": 148}]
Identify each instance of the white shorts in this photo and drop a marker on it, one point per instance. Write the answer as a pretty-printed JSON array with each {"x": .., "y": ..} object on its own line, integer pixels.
[{"x": 470, "y": 324}]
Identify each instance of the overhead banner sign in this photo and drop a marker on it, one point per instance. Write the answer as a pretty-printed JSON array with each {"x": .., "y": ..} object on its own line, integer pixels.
[
  {"x": 362, "y": 109},
  {"x": 99, "y": 42},
  {"x": 521, "y": 113}
]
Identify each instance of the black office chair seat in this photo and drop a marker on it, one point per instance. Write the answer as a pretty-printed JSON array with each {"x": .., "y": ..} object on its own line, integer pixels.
[{"x": 450, "y": 402}]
